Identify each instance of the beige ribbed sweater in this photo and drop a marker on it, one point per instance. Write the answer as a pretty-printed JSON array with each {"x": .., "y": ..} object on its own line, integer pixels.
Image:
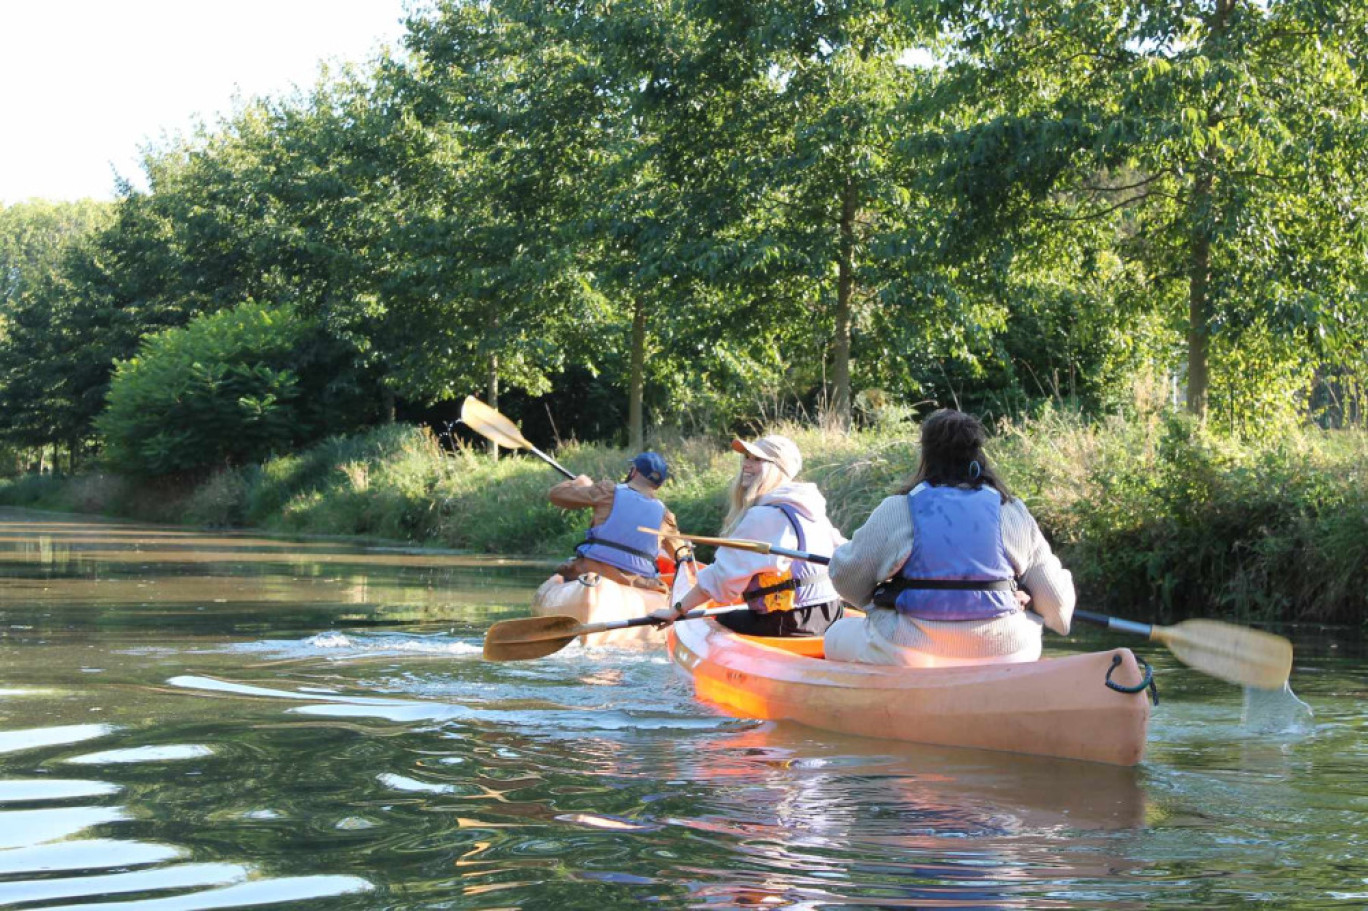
[{"x": 882, "y": 545}]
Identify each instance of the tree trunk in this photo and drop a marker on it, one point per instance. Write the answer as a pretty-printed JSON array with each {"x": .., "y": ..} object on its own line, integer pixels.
[
  {"x": 387, "y": 405},
  {"x": 636, "y": 381},
  {"x": 492, "y": 397},
  {"x": 1199, "y": 262},
  {"x": 845, "y": 293},
  {"x": 1199, "y": 302}
]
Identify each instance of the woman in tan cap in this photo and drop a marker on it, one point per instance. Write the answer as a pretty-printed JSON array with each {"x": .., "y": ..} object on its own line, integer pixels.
[
  {"x": 943, "y": 568},
  {"x": 783, "y": 597}
]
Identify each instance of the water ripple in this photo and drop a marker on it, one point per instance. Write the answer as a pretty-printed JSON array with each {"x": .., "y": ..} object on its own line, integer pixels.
[
  {"x": 245, "y": 895},
  {"x": 85, "y": 854},
  {"x": 176, "y": 752},
  {"x": 35, "y": 738},
  {"x": 29, "y": 790}
]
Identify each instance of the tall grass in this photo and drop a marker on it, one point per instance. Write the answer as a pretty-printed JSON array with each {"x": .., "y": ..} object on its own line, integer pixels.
[{"x": 1155, "y": 517}]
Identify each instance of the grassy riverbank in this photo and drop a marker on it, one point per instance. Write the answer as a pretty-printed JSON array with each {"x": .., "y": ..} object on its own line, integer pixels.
[{"x": 1154, "y": 517}]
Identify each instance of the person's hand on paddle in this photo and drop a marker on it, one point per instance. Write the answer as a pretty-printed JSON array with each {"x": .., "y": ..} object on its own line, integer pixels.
[
  {"x": 664, "y": 616},
  {"x": 583, "y": 481}
]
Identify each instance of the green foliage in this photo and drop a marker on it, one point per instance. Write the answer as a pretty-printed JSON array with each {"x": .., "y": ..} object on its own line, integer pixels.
[
  {"x": 46, "y": 372},
  {"x": 1162, "y": 518},
  {"x": 715, "y": 216},
  {"x": 36, "y": 491},
  {"x": 229, "y": 389},
  {"x": 94, "y": 492},
  {"x": 1214, "y": 155},
  {"x": 220, "y": 501}
]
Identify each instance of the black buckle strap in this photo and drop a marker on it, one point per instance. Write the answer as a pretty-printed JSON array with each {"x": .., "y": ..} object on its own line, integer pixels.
[
  {"x": 959, "y": 585},
  {"x": 766, "y": 590},
  {"x": 631, "y": 550}
]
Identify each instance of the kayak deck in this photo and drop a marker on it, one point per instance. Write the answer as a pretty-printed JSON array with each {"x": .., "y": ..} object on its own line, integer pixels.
[
  {"x": 1057, "y": 707},
  {"x": 594, "y": 599}
]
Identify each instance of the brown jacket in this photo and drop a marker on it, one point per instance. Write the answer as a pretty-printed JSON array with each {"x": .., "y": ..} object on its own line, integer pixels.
[{"x": 599, "y": 498}]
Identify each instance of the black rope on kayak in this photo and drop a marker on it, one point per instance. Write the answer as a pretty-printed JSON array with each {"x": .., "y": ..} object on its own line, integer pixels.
[{"x": 1146, "y": 682}]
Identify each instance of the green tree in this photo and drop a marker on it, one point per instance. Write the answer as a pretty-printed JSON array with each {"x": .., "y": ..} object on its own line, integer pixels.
[
  {"x": 36, "y": 237},
  {"x": 42, "y": 376},
  {"x": 496, "y": 286},
  {"x": 1221, "y": 140}
]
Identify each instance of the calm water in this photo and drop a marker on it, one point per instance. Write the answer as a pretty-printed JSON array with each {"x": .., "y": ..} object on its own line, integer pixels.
[{"x": 195, "y": 721}]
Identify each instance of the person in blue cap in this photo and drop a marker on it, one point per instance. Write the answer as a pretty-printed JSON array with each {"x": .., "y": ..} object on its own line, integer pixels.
[{"x": 613, "y": 546}]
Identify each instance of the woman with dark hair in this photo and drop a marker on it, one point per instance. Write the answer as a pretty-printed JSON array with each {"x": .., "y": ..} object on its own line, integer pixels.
[{"x": 946, "y": 567}]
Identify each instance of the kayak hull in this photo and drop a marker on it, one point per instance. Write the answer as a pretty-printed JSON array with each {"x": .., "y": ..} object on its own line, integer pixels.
[
  {"x": 1058, "y": 707},
  {"x": 593, "y": 599}
]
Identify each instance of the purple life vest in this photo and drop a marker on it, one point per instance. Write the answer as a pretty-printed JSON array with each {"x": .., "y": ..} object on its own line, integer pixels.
[
  {"x": 617, "y": 541},
  {"x": 958, "y": 569}
]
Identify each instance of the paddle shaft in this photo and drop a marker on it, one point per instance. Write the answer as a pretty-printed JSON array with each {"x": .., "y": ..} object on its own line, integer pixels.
[
  {"x": 586, "y": 629},
  {"x": 550, "y": 461},
  {"x": 1248, "y": 657},
  {"x": 606, "y": 625},
  {"x": 1148, "y": 630},
  {"x": 759, "y": 547},
  {"x": 1116, "y": 623}
]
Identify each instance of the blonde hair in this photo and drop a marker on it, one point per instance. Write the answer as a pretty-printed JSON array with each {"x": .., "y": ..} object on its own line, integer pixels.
[{"x": 741, "y": 498}]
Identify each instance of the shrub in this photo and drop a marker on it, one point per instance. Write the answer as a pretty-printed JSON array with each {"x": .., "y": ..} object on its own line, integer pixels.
[{"x": 229, "y": 389}]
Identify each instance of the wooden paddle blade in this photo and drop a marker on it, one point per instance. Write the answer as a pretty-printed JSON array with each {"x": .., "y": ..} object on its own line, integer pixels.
[
  {"x": 530, "y": 637},
  {"x": 1248, "y": 657},
  {"x": 491, "y": 425}
]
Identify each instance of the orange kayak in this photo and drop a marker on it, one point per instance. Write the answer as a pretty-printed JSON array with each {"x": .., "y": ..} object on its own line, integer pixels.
[{"x": 1057, "y": 707}]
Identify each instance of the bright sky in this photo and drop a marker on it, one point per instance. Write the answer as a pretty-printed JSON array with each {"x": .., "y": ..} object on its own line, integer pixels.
[{"x": 85, "y": 83}]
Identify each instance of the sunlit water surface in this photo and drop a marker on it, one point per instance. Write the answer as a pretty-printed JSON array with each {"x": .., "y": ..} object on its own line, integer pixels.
[{"x": 200, "y": 721}]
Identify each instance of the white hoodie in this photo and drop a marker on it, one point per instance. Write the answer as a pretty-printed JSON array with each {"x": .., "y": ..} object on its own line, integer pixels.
[{"x": 726, "y": 577}]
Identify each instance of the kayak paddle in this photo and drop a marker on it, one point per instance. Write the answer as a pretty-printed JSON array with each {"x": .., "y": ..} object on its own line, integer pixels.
[
  {"x": 492, "y": 425},
  {"x": 537, "y": 637},
  {"x": 1237, "y": 654}
]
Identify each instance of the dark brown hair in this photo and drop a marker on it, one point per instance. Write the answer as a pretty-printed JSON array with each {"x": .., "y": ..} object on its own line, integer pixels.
[{"x": 952, "y": 454}]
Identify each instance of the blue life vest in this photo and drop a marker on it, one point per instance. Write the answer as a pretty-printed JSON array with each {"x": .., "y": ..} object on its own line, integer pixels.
[
  {"x": 810, "y": 581},
  {"x": 958, "y": 569},
  {"x": 617, "y": 541}
]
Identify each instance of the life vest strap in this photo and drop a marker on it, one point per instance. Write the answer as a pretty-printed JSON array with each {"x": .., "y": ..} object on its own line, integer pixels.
[
  {"x": 631, "y": 550},
  {"x": 886, "y": 594},
  {"x": 757, "y": 593}
]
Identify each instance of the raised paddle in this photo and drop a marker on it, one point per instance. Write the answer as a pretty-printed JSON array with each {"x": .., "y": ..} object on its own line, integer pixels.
[
  {"x": 1238, "y": 654},
  {"x": 537, "y": 637},
  {"x": 491, "y": 425}
]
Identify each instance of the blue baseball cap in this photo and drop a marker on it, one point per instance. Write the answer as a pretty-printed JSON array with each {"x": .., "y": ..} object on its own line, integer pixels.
[{"x": 652, "y": 467}]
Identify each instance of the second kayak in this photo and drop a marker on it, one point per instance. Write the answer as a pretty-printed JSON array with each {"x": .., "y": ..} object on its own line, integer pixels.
[
  {"x": 1058, "y": 707},
  {"x": 593, "y": 599}
]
